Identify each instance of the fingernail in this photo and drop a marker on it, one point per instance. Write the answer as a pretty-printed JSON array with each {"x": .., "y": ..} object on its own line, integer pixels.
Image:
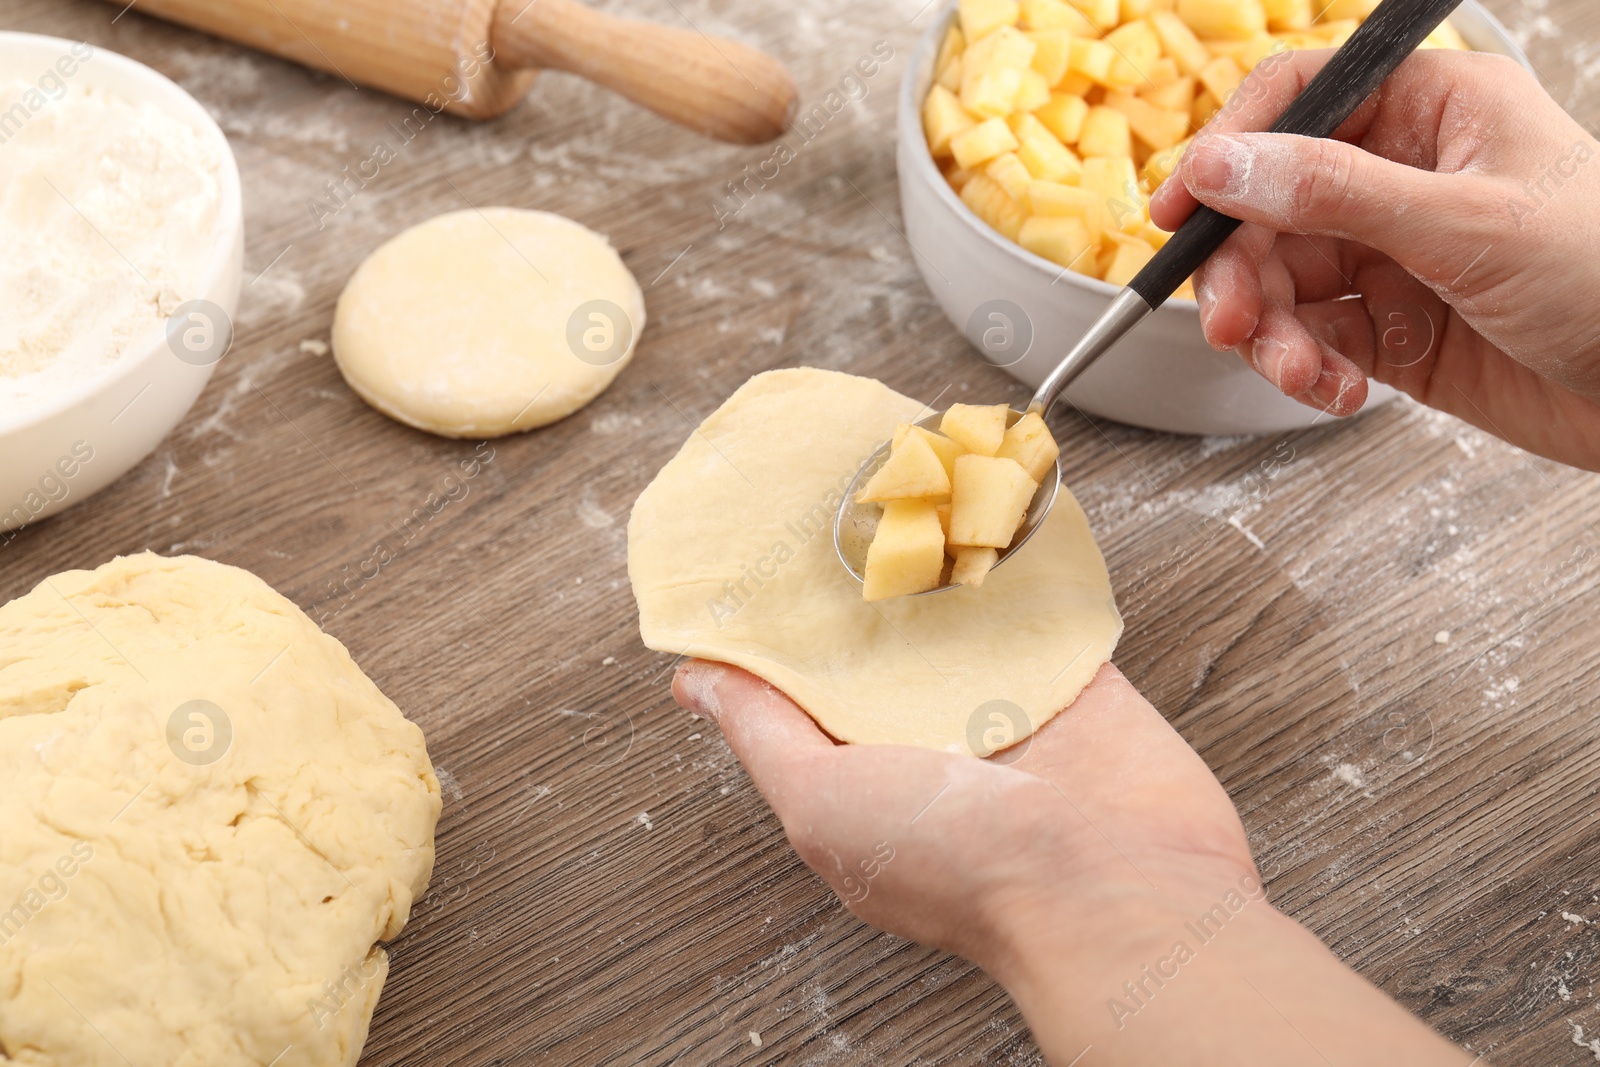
[
  {"x": 696, "y": 690},
  {"x": 1267, "y": 355},
  {"x": 1218, "y": 164}
]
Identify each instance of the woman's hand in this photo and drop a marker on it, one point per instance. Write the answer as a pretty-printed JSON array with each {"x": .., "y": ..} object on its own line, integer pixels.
[
  {"x": 1456, "y": 206},
  {"x": 1070, "y": 873}
]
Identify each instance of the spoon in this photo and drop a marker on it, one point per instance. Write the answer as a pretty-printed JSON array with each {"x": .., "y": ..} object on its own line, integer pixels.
[{"x": 1379, "y": 45}]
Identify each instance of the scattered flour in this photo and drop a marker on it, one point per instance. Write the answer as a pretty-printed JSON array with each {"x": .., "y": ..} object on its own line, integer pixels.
[
  {"x": 591, "y": 514},
  {"x": 1350, "y": 775},
  {"x": 1593, "y": 1045},
  {"x": 448, "y": 784}
]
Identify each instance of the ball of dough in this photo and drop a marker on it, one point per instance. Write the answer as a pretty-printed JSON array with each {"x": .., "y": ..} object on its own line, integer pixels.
[
  {"x": 209, "y": 818},
  {"x": 730, "y": 551},
  {"x": 483, "y": 323}
]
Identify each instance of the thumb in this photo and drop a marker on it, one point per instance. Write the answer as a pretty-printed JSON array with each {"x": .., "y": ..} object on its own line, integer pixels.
[
  {"x": 767, "y": 731},
  {"x": 1326, "y": 188}
]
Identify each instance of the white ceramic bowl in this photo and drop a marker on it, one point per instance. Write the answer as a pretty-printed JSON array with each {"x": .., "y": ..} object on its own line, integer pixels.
[
  {"x": 121, "y": 414},
  {"x": 1163, "y": 376}
]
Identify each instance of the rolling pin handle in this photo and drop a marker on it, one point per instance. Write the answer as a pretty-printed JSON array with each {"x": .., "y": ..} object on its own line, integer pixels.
[{"x": 712, "y": 85}]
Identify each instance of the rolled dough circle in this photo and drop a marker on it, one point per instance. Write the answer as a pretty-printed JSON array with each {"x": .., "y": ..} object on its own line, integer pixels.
[
  {"x": 480, "y": 323},
  {"x": 210, "y": 819},
  {"x": 731, "y": 556}
]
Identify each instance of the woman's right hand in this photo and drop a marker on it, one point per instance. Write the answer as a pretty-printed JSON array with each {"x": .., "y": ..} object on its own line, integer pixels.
[{"x": 1457, "y": 206}]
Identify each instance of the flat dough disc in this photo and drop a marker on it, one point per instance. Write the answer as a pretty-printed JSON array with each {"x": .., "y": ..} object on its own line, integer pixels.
[
  {"x": 196, "y": 890},
  {"x": 482, "y": 323},
  {"x": 730, "y": 551}
]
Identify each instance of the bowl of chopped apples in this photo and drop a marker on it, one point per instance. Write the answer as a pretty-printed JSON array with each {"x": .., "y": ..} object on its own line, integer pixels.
[{"x": 1031, "y": 134}]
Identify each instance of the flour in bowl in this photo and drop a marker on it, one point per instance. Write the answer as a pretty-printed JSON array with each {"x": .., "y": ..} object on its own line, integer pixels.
[{"x": 108, "y": 216}]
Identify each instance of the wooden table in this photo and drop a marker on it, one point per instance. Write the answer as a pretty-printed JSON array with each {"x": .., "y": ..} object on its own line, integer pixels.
[{"x": 610, "y": 888}]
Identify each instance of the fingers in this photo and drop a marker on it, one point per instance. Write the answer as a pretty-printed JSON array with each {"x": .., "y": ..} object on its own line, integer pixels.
[
  {"x": 1228, "y": 289},
  {"x": 769, "y": 733},
  {"x": 1439, "y": 112},
  {"x": 1310, "y": 185},
  {"x": 1253, "y": 107},
  {"x": 1248, "y": 293}
]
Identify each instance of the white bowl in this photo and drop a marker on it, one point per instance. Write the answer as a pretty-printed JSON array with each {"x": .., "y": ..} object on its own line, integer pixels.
[
  {"x": 1163, "y": 376},
  {"x": 120, "y": 414}
]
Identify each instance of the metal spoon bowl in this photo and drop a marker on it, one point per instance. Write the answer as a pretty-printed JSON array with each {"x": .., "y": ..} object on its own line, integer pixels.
[{"x": 855, "y": 524}]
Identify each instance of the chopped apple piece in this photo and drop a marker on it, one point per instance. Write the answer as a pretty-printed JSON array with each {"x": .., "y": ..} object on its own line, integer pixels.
[
  {"x": 973, "y": 565},
  {"x": 1286, "y": 15},
  {"x": 953, "y": 44},
  {"x": 1045, "y": 157},
  {"x": 1052, "y": 52},
  {"x": 1155, "y": 126},
  {"x": 1057, "y": 14},
  {"x": 912, "y": 470},
  {"x": 1179, "y": 42},
  {"x": 1012, "y": 175},
  {"x": 1090, "y": 58},
  {"x": 992, "y": 72},
  {"x": 1063, "y": 116},
  {"x": 988, "y": 501},
  {"x": 943, "y": 118},
  {"x": 946, "y": 449},
  {"x": 1129, "y": 259},
  {"x": 980, "y": 17},
  {"x": 1114, "y": 185},
  {"x": 950, "y": 75},
  {"x": 1033, "y": 93},
  {"x": 1106, "y": 133},
  {"x": 1221, "y": 77},
  {"x": 1138, "y": 45},
  {"x": 993, "y": 204},
  {"x": 1031, "y": 444},
  {"x": 907, "y": 551},
  {"x": 972, "y": 148},
  {"x": 1055, "y": 200},
  {"x": 1226, "y": 19},
  {"x": 1347, "y": 9},
  {"x": 1176, "y": 95},
  {"x": 977, "y": 428},
  {"x": 1063, "y": 240},
  {"x": 1103, "y": 13},
  {"x": 943, "y": 511}
]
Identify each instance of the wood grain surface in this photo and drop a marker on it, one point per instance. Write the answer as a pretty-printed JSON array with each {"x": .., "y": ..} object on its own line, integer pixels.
[{"x": 610, "y": 888}]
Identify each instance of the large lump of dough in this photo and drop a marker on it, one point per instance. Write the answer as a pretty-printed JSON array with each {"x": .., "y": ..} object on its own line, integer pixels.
[
  {"x": 208, "y": 818},
  {"x": 730, "y": 551}
]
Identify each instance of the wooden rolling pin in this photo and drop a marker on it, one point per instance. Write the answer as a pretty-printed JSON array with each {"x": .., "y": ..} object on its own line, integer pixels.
[{"x": 477, "y": 57}]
